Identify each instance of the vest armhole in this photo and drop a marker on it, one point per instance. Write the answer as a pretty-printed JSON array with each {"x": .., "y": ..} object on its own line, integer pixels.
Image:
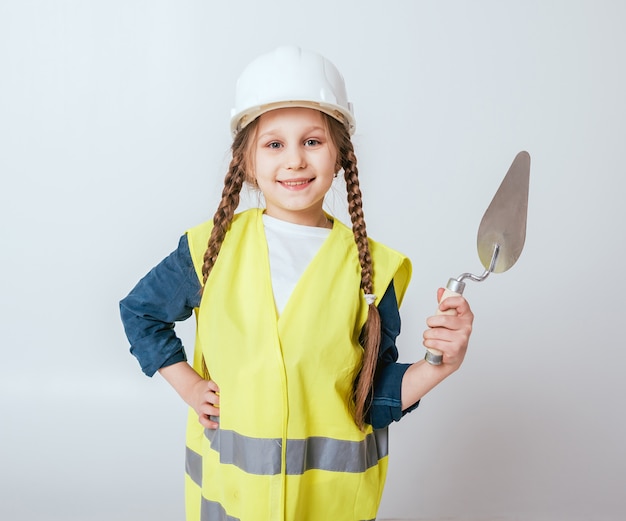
[
  {"x": 197, "y": 238},
  {"x": 401, "y": 279}
]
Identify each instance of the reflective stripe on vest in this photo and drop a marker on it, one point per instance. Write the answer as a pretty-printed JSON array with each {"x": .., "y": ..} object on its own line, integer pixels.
[
  {"x": 212, "y": 511},
  {"x": 263, "y": 456},
  {"x": 287, "y": 446}
]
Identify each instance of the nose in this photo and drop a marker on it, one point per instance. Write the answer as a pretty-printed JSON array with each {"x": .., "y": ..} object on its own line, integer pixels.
[{"x": 295, "y": 158}]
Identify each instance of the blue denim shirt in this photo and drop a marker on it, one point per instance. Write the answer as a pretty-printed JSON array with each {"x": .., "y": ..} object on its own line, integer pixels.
[{"x": 171, "y": 290}]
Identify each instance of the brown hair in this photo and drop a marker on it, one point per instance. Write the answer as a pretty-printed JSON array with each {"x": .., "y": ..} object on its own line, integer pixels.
[
  {"x": 346, "y": 161},
  {"x": 233, "y": 182},
  {"x": 370, "y": 335}
]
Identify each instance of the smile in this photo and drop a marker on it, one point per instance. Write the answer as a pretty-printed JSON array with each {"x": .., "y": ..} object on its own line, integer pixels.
[{"x": 296, "y": 183}]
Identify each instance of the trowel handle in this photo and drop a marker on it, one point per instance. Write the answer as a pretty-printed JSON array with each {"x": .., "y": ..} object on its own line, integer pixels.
[{"x": 434, "y": 356}]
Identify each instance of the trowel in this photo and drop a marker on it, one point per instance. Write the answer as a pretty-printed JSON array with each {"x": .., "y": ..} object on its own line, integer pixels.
[{"x": 501, "y": 234}]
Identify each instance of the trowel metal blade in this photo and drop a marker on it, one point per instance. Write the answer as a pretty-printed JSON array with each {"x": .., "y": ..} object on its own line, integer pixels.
[{"x": 504, "y": 222}]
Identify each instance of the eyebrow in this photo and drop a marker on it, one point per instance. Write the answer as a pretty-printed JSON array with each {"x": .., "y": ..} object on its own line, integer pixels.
[{"x": 308, "y": 130}]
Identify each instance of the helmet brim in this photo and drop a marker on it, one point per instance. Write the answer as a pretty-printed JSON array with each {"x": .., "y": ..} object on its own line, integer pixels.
[{"x": 244, "y": 118}]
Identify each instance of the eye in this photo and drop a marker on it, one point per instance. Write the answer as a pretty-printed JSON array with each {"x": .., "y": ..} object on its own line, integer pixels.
[
  {"x": 312, "y": 142},
  {"x": 274, "y": 144}
]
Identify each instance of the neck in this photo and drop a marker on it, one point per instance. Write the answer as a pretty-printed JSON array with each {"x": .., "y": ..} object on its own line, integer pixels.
[
  {"x": 324, "y": 222},
  {"x": 317, "y": 221}
]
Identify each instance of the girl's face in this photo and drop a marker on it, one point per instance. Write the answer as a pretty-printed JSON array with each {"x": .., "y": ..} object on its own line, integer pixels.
[{"x": 294, "y": 163}]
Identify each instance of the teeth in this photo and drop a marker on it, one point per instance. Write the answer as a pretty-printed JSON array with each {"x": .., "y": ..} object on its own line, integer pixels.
[{"x": 294, "y": 183}]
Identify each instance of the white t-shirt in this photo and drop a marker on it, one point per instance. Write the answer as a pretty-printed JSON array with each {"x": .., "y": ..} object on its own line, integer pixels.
[{"x": 291, "y": 249}]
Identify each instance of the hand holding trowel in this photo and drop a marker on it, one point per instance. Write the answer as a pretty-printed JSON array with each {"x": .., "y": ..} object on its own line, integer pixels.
[{"x": 501, "y": 234}]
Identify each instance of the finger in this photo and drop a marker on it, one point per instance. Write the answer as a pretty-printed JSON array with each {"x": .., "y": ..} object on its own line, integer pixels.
[
  {"x": 456, "y": 302},
  {"x": 451, "y": 343},
  {"x": 211, "y": 397},
  {"x": 207, "y": 422},
  {"x": 450, "y": 347},
  {"x": 453, "y": 337},
  {"x": 439, "y": 334},
  {"x": 208, "y": 409},
  {"x": 213, "y": 386},
  {"x": 445, "y": 321}
]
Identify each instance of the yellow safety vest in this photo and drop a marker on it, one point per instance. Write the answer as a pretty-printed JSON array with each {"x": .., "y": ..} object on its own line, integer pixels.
[{"x": 287, "y": 447}]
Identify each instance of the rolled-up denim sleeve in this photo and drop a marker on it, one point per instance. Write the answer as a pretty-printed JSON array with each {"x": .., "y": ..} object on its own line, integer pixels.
[
  {"x": 166, "y": 295},
  {"x": 386, "y": 405}
]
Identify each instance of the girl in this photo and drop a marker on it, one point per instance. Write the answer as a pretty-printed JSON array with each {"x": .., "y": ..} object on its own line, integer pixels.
[{"x": 294, "y": 376}]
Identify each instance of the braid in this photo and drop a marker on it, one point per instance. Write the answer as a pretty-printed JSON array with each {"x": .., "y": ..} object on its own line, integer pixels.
[
  {"x": 233, "y": 182},
  {"x": 223, "y": 216},
  {"x": 370, "y": 335}
]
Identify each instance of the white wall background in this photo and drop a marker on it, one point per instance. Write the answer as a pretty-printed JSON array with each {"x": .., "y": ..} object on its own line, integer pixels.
[{"x": 113, "y": 140}]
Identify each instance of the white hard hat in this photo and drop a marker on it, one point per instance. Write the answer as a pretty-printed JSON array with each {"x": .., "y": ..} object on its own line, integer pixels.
[{"x": 290, "y": 77}]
